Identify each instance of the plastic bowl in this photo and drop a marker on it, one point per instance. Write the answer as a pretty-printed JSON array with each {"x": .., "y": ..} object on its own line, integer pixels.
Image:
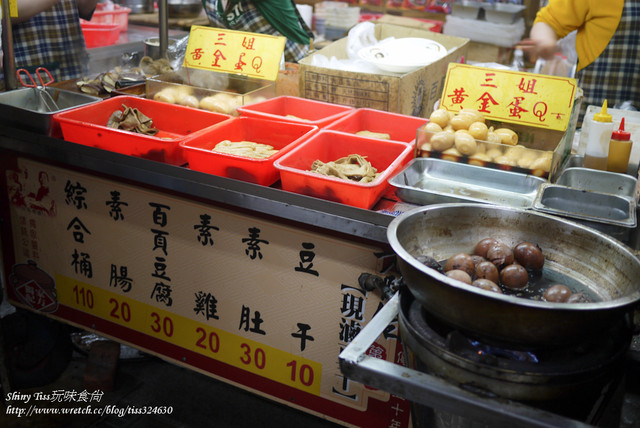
[
  {"x": 387, "y": 157},
  {"x": 282, "y": 136},
  {"x": 97, "y": 35},
  {"x": 87, "y": 125},
  {"x": 296, "y": 110},
  {"x": 400, "y": 127}
]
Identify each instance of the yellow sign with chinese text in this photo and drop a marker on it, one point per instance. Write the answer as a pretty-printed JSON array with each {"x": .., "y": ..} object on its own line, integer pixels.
[
  {"x": 510, "y": 96},
  {"x": 280, "y": 366},
  {"x": 228, "y": 51},
  {"x": 13, "y": 8}
]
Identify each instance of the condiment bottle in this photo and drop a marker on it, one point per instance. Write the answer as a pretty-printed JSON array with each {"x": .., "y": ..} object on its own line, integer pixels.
[
  {"x": 619, "y": 150},
  {"x": 600, "y": 130}
]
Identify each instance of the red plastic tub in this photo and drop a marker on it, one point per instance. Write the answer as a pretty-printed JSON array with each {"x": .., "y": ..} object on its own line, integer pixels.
[
  {"x": 296, "y": 110},
  {"x": 386, "y": 156},
  {"x": 282, "y": 136},
  {"x": 97, "y": 35},
  {"x": 118, "y": 15},
  {"x": 400, "y": 127},
  {"x": 88, "y": 125}
]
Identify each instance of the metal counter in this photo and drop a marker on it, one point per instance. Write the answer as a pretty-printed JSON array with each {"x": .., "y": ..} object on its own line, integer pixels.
[{"x": 364, "y": 224}]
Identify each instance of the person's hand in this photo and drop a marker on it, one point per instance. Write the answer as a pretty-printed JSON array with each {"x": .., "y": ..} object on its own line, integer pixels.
[
  {"x": 535, "y": 48},
  {"x": 542, "y": 42}
]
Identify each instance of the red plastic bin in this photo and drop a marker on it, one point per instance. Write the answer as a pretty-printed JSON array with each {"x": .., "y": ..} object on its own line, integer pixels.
[
  {"x": 400, "y": 127},
  {"x": 282, "y": 136},
  {"x": 87, "y": 125},
  {"x": 118, "y": 15},
  {"x": 386, "y": 156},
  {"x": 97, "y": 35},
  {"x": 296, "y": 110}
]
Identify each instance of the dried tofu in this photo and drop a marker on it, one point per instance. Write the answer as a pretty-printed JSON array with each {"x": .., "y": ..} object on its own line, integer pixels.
[
  {"x": 380, "y": 135},
  {"x": 247, "y": 149}
]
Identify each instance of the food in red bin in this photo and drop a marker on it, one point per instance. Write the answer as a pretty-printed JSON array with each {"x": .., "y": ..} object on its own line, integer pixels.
[
  {"x": 247, "y": 149},
  {"x": 496, "y": 267},
  {"x": 353, "y": 167},
  {"x": 132, "y": 120},
  {"x": 381, "y": 135}
]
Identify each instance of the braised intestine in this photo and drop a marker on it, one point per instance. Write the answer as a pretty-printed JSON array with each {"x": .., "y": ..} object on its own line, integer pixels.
[{"x": 353, "y": 167}]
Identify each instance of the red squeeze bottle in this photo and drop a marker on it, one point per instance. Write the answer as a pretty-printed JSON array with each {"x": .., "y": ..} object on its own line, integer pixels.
[{"x": 619, "y": 150}]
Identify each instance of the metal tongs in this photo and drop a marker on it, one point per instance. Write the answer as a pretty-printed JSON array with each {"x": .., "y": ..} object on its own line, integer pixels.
[{"x": 44, "y": 97}]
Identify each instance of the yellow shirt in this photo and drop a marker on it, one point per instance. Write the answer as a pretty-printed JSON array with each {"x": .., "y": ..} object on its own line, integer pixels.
[{"x": 595, "y": 20}]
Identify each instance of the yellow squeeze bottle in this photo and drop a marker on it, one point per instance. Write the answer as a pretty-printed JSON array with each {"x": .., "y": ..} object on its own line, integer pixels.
[{"x": 600, "y": 130}]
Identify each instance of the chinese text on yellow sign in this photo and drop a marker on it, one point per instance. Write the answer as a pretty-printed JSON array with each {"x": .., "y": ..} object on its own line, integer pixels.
[
  {"x": 524, "y": 98},
  {"x": 227, "y": 51}
]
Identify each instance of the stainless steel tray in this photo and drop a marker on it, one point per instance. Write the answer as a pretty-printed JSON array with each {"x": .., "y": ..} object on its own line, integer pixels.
[
  {"x": 503, "y": 13},
  {"x": 593, "y": 180},
  {"x": 21, "y": 107},
  {"x": 466, "y": 9},
  {"x": 585, "y": 205},
  {"x": 431, "y": 181}
]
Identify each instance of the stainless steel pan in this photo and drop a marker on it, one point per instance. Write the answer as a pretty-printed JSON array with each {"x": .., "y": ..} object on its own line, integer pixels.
[{"x": 607, "y": 269}]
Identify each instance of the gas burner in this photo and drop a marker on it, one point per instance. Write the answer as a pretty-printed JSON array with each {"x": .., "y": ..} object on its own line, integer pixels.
[
  {"x": 446, "y": 393},
  {"x": 434, "y": 334},
  {"x": 565, "y": 380}
]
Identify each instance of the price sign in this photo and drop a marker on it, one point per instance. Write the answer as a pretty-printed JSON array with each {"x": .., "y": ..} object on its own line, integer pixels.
[
  {"x": 235, "y": 350},
  {"x": 510, "y": 96},
  {"x": 222, "y": 50},
  {"x": 261, "y": 304}
]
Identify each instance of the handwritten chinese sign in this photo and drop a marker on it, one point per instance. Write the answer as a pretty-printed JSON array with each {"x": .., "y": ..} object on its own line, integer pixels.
[
  {"x": 227, "y": 51},
  {"x": 529, "y": 99}
]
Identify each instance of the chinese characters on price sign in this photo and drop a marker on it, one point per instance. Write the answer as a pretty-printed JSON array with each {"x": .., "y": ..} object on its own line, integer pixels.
[
  {"x": 515, "y": 97},
  {"x": 261, "y": 304},
  {"x": 249, "y": 54}
]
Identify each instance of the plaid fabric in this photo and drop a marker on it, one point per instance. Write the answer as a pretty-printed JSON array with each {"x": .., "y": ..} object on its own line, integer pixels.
[
  {"x": 615, "y": 74},
  {"x": 245, "y": 17},
  {"x": 52, "y": 39}
]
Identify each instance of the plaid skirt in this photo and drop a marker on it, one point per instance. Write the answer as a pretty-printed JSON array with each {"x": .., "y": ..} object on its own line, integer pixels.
[
  {"x": 245, "y": 17},
  {"x": 615, "y": 74}
]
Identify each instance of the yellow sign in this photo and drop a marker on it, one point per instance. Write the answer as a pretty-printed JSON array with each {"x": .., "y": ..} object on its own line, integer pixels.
[
  {"x": 510, "y": 96},
  {"x": 13, "y": 8},
  {"x": 222, "y": 50},
  {"x": 235, "y": 350}
]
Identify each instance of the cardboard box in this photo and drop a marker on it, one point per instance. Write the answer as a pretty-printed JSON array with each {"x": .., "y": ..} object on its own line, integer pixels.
[
  {"x": 413, "y": 93},
  {"x": 486, "y": 53},
  {"x": 421, "y": 24}
]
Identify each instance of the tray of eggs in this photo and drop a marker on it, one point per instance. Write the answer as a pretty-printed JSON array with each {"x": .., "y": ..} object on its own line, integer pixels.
[{"x": 465, "y": 136}]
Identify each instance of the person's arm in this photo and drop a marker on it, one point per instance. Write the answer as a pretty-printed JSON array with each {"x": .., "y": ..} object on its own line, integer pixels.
[
  {"x": 27, "y": 9},
  {"x": 542, "y": 42},
  {"x": 86, "y": 8}
]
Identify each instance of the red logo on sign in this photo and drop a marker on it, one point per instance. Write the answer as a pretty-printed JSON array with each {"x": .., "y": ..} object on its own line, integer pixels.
[{"x": 37, "y": 297}]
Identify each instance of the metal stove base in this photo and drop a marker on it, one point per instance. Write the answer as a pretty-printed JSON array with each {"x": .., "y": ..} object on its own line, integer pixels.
[{"x": 438, "y": 401}]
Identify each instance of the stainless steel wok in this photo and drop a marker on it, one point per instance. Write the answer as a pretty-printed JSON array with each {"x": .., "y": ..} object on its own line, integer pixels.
[{"x": 606, "y": 267}]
